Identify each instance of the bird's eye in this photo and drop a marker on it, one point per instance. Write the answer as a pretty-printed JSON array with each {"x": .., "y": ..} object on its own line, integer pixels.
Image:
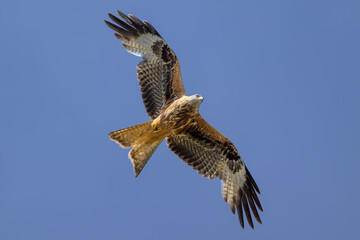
[{"x": 156, "y": 128}]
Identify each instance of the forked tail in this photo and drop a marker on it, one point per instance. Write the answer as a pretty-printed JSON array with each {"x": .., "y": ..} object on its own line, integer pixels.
[{"x": 140, "y": 138}]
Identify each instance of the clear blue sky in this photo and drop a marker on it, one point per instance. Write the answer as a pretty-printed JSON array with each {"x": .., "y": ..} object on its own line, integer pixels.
[{"x": 281, "y": 79}]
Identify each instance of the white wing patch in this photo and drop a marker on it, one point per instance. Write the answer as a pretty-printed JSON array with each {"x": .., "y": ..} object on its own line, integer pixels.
[
  {"x": 231, "y": 183},
  {"x": 141, "y": 46}
]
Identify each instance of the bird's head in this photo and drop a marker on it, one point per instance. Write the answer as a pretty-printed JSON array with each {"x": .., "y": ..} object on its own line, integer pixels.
[{"x": 195, "y": 100}]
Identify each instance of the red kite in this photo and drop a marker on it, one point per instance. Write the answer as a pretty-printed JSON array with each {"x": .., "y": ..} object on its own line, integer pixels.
[{"x": 175, "y": 116}]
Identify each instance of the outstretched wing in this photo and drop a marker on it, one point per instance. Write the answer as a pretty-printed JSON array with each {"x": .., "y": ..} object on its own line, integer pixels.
[
  {"x": 213, "y": 155},
  {"x": 159, "y": 72}
]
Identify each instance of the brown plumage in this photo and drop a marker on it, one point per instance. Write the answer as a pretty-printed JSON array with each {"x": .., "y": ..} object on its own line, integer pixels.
[{"x": 175, "y": 116}]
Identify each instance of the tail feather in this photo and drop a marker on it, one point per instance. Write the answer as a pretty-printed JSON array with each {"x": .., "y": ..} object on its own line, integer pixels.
[
  {"x": 127, "y": 137},
  {"x": 141, "y": 138},
  {"x": 141, "y": 154}
]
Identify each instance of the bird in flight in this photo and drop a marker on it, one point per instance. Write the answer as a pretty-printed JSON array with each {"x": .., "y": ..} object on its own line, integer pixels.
[{"x": 175, "y": 117}]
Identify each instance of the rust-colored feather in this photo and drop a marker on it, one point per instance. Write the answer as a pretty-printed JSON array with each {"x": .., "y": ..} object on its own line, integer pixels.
[
  {"x": 127, "y": 137},
  {"x": 141, "y": 154},
  {"x": 175, "y": 116}
]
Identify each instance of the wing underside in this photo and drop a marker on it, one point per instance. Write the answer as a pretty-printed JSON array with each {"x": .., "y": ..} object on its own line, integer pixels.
[
  {"x": 212, "y": 155},
  {"x": 159, "y": 73}
]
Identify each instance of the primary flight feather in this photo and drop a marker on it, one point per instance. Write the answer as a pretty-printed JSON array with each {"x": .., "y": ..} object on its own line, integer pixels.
[{"x": 175, "y": 116}]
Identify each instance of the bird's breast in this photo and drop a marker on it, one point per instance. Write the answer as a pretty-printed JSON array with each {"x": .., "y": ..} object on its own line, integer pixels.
[{"x": 177, "y": 116}]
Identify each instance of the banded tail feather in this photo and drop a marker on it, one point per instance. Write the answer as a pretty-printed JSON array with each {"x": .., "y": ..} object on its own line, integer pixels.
[
  {"x": 141, "y": 154},
  {"x": 140, "y": 137},
  {"x": 127, "y": 137}
]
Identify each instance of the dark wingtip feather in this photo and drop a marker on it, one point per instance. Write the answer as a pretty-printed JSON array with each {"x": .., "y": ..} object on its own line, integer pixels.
[
  {"x": 139, "y": 25},
  {"x": 247, "y": 210},
  {"x": 120, "y": 37},
  {"x": 232, "y": 208},
  {"x": 122, "y": 24},
  {"x": 252, "y": 206},
  {"x": 123, "y": 32},
  {"x": 130, "y": 26},
  {"x": 240, "y": 211},
  {"x": 122, "y": 15},
  {"x": 252, "y": 181},
  {"x": 152, "y": 29},
  {"x": 135, "y": 19},
  {"x": 255, "y": 198}
]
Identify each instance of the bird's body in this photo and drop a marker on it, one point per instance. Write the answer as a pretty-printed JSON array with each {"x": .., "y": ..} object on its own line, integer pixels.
[{"x": 175, "y": 117}]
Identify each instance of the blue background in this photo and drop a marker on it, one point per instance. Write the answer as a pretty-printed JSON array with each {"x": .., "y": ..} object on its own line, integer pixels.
[{"x": 279, "y": 78}]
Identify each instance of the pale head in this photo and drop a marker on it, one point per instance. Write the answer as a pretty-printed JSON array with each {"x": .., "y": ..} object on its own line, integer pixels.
[{"x": 195, "y": 100}]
